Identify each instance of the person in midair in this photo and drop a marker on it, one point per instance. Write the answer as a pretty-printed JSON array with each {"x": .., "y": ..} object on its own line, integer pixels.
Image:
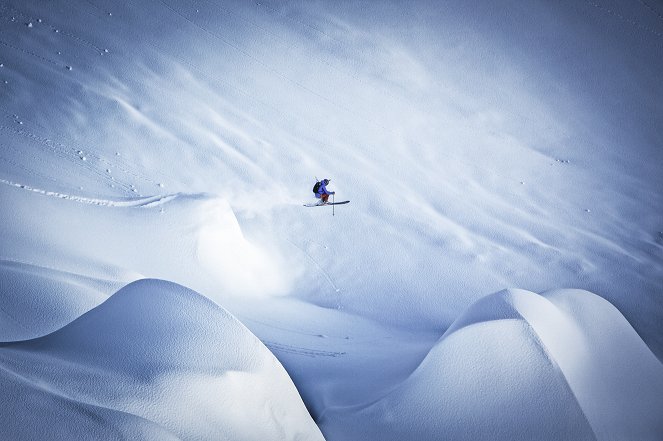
[{"x": 321, "y": 191}]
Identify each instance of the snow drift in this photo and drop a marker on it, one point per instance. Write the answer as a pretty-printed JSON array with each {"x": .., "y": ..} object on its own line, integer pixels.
[
  {"x": 155, "y": 361},
  {"x": 563, "y": 365}
]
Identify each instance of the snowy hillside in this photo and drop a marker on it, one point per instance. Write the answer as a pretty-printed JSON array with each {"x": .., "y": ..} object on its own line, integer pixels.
[{"x": 499, "y": 267}]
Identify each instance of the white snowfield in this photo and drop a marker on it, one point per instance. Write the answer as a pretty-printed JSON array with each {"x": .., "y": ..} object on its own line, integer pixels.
[{"x": 160, "y": 278}]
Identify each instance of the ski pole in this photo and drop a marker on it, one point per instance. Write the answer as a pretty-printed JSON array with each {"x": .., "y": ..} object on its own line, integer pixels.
[{"x": 333, "y": 206}]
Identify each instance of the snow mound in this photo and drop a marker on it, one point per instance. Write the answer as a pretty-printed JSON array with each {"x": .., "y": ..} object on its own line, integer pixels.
[
  {"x": 37, "y": 300},
  {"x": 155, "y": 361},
  {"x": 563, "y": 365}
]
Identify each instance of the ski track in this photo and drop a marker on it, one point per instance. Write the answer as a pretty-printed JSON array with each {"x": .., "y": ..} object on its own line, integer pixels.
[
  {"x": 68, "y": 154},
  {"x": 297, "y": 350},
  {"x": 317, "y": 265},
  {"x": 40, "y": 57},
  {"x": 145, "y": 202},
  {"x": 40, "y": 22},
  {"x": 99, "y": 8},
  {"x": 74, "y": 154},
  {"x": 29, "y": 171},
  {"x": 289, "y": 330}
]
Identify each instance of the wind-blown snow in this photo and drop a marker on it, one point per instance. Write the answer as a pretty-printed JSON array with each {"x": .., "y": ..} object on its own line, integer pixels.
[{"x": 483, "y": 145}]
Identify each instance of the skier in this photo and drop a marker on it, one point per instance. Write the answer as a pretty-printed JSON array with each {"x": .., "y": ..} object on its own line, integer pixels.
[{"x": 321, "y": 192}]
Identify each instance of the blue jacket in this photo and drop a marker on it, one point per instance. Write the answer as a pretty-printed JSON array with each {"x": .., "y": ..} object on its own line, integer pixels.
[{"x": 323, "y": 188}]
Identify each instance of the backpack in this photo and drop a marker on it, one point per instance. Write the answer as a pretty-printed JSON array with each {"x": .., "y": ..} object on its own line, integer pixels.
[{"x": 316, "y": 187}]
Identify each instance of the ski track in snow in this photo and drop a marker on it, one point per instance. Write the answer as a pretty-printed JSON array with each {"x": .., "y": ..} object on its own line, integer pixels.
[
  {"x": 28, "y": 19},
  {"x": 10, "y": 14},
  {"x": 289, "y": 330},
  {"x": 40, "y": 57},
  {"x": 297, "y": 350},
  {"x": 147, "y": 202},
  {"x": 81, "y": 157},
  {"x": 317, "y": 265}
]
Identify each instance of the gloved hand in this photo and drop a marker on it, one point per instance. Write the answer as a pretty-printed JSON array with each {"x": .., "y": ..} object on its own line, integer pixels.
[{"x": 333, "y": 192}]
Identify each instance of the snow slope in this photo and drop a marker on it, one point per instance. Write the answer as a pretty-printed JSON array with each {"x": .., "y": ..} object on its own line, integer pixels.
[
  {"x": 484, "y": 145},
  {"x": 154, "y": 361}
]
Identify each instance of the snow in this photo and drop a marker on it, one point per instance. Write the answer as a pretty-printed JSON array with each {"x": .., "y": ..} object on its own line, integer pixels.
[
  {"x": 154, "y": 361},
  {"x": 565, "y": 365},
  {"x": 154, "y": 159}
]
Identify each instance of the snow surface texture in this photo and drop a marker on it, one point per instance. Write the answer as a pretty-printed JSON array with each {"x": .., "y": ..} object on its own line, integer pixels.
[
  {"x": 600, "y": 380},
  {"x": 155, "y": 361},
  {"x": 484, "y": 145}
]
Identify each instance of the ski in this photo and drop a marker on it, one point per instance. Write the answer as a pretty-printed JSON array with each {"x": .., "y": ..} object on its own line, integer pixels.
[{"x": 328, "y": 203}]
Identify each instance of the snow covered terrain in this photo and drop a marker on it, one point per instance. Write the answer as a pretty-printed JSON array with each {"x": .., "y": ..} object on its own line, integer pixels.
[
  {"x": 155, "y": 361},
  {"x": 497, "y": 274}
]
